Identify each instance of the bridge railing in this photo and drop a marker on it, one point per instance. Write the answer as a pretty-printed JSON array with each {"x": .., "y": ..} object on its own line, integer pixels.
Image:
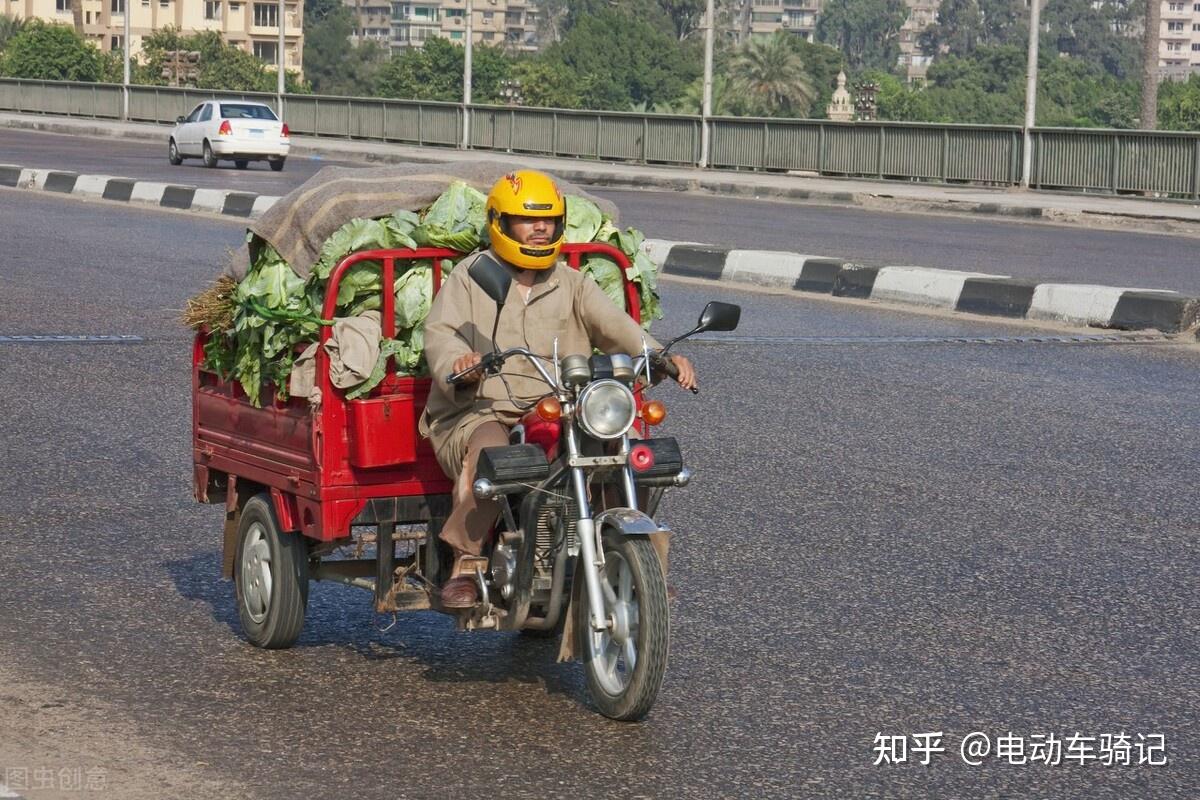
[{"x": 1155, "y": 163}]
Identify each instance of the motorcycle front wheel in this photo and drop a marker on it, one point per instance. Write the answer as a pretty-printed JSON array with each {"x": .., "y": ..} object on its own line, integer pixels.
[{"x": 625, "y": 663}]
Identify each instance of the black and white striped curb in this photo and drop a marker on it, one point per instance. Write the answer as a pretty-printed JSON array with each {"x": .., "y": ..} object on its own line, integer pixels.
[
  {"x": 953, "y": 290},
  {"x": 163, "y": 195},
  {"x": 973, "y": 292}
]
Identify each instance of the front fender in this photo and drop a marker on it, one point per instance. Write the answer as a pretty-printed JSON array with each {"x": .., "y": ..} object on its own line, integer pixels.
[{"x": 628, "y": 522}]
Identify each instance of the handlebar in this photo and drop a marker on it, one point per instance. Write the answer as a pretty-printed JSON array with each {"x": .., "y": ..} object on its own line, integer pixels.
[{"x": 490, "y": 363}]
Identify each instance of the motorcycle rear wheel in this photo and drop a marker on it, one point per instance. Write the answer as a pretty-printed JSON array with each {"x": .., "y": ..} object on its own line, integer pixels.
[{"x": 625, "y": 664}]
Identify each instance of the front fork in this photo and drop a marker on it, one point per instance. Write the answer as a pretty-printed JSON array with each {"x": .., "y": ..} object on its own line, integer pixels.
[{"x": 591, "y": 549}]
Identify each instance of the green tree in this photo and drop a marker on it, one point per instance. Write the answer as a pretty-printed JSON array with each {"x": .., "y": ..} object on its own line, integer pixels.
[
  {"x": 685, "y": 15},
  {"x": 822, "y": 63},
  {"x": 772, "y": 78},
  {"x": 867, "y": 31},
  {"x": 544, "y": 85},
  {"x": 1092, "y": 32},
  {"x": 1005, "y": 22},
  {"x": 1179, "y": 105},
  {"x": 331, "y": 64},
  {"x": 50, "y": 52},
  {"x": 958, "y": 30},
  {"x": 9, "y": 27},
  {"x": 622, "y": 59},
  {"x": 434, "y": 72},
  {"x": 222, "y": 65}
]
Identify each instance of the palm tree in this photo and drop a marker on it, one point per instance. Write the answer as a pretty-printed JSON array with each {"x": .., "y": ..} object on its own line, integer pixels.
[{"x": 771, "y": 77}]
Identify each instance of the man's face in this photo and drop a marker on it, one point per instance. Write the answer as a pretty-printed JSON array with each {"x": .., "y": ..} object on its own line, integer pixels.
[{"x": 536, "y": 231}]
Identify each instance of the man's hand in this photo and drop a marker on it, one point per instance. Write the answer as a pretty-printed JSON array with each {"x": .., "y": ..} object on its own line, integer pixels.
[
  {"x": 687, "y": 373},
  {"x": 466, "y": 362}
]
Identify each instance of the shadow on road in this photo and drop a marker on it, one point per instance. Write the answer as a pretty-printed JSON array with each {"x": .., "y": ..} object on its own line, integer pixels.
[{"x": 342, "y": 618}]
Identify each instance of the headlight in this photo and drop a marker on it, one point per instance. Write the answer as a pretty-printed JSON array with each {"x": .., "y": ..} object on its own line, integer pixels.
[{"x": 606, "y": 409}]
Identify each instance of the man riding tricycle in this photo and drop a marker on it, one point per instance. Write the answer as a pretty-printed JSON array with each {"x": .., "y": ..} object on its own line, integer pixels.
[{"x": 515, "y": 489}]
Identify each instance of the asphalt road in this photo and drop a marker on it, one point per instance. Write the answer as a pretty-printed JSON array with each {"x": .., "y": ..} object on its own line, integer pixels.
[
  {"x": 883, "y": 537},
  {"x": 1033, "y": 250}
]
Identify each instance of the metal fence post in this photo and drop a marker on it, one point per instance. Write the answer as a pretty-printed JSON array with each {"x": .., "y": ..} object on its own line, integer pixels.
[
  {"x": 420, "y": 122},
  {"x": 1114, "y": 157},
  {"x": 1196, "y": 168},
  {"x": 1014, "y": 175},
  {"x": 383, "y": 126},
  {"x": 762, "y": 158},
  {"x": 646, "y": 135},
  {"x": 349, "y": 118},
  {"x": 821, "y": 149},
  {"x": 512, "y": 126},
  {"x": 554, "y": 136},
  {"x": 879, "y": 155},
  {"x": 945, "y": 155},
  {"x": 599, "y": 124},
  {"x": 1041, "y": 149}
]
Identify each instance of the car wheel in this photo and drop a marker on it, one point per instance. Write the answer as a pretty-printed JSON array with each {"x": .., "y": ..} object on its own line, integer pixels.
[
  {"x": 210, "y": 158},
  {"x": 276, "y": 164},
  {"x": 241, "y": 163},
  {"x": 173, "y": 154}
]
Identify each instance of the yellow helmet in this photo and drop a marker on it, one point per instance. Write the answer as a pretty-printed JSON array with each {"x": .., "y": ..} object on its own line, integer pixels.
[{"x": 525, "y": 194}]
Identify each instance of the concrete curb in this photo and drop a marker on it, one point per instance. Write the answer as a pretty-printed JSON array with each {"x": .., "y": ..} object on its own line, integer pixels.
[
  {"x": 151, "y": 193},
  {"x": 952, "y": 290}
]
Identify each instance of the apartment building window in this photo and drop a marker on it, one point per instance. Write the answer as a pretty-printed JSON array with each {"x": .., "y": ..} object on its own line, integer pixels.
[
  {"x": 116, "y": 43},
  {"x": 512, "y": 17},
  {"x": 1175, "y": 6},
  {"x": 164, "y": 3},
  {"x": 266, "y": 15},
  {"x": 489, "y": 36},
  {"x": 1196, "y": 47},
  {"x": 1174, "y": 46},
  {"x": 456, "y": 35},
  {"x": 212, "y": 9},
  {"x": 62, "y": 6},
  {"x": 760, "y": 16},
  {"x": 266, "y": 51},
  {"x": 1195, "y": 26},
  {"x": 1174, "y": 26},
  {"x": 487, "y": 16},
  {"x": 118, "y": 6}
]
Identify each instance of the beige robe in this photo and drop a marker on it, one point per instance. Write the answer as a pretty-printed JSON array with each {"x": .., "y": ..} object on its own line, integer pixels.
[{"x": 564, "y": 304}]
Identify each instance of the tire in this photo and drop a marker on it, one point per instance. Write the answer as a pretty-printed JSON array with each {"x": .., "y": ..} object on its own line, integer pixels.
[
  {"x": 173, "y": 154},
  {"x": 210, "y": 158},
  {"x": 637, "y": 597},
  {"x": 276, "y": 164},
  {"x": 241, "y": 163},
  {"x": 270, "y": 577}
]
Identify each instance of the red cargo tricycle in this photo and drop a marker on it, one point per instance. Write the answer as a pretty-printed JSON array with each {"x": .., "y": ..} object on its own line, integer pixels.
[{"x": 310, "y": 488}]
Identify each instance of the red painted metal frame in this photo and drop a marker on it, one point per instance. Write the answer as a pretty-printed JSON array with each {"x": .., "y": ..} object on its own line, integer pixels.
[{"x": 301, "y": 453}]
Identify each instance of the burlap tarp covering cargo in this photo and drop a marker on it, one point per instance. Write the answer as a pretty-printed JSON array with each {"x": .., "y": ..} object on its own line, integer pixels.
[{"x": 300, "y": 222}]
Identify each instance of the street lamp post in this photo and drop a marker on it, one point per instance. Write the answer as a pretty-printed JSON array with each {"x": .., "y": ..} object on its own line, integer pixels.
[
  {"x": 125, "y": 57},
  {"x": 466, "y": 140},
  {"x": 279, "y": 82},
  {"x": 706, "y": 100},
  {"x": 1031, "y": 91}
]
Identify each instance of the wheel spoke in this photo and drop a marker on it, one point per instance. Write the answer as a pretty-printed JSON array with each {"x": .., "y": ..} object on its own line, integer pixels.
[
  {"x": 625, "y": 582},
  {"x": 630, "y": 655},
  {"x": 612, "y": 653}
]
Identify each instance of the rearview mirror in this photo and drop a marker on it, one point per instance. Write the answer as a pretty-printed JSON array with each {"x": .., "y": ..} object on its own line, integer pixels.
[
  {"x": 491, "y": 277},
  {"x": 718, "y": 316},
  {"x": 181, "y": 119}
]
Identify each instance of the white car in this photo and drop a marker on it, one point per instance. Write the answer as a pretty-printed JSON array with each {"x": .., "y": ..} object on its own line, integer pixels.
[{"x": 240, "y": 131}]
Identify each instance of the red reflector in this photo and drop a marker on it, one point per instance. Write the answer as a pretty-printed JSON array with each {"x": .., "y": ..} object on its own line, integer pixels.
[
  {"x": 641, "y": 458},
  {"x": 226, "y": 129},
  {"x": 286, "y": 133}
]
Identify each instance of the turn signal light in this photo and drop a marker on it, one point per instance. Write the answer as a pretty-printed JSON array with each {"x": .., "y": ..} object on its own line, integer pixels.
[
  {"x": 549, "y": 409},
  {"x": 285, "y": 133},
  {"x": 654, "y": 412},
  {"x": 226, "y": 129}
]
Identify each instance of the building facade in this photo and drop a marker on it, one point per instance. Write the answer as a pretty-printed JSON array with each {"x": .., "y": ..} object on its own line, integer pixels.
[
  {"x": 512, "y": 24},
  {"x": 252, "y": 26},
  {"x": 1179, "y": 39}
]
